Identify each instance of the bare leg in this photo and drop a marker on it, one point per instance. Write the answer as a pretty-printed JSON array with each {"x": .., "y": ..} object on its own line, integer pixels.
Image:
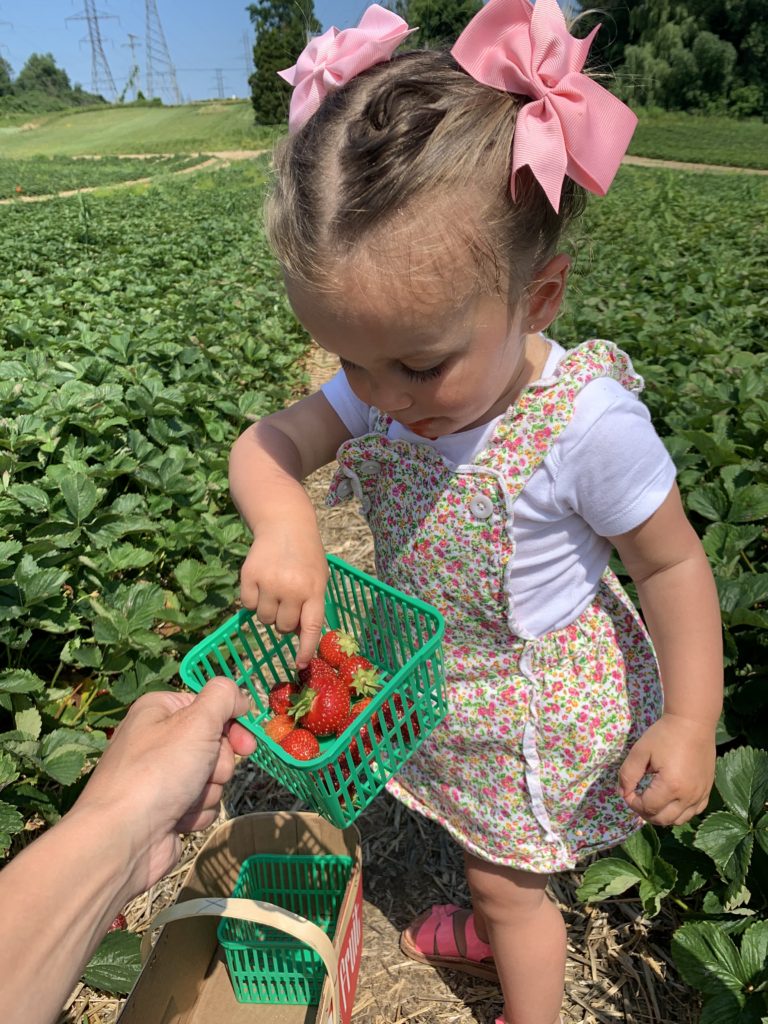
[{"x": 527, "y": 934}]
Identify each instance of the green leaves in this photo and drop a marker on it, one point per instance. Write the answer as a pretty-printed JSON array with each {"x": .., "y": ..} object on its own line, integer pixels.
[
  {"x": 127, "y": 366},
  {"x": 731, "y": 979},
  {"x": 115, "y": 965},
  {"x": 729, "y": 836},
  {"x": 644, "y": 867}
]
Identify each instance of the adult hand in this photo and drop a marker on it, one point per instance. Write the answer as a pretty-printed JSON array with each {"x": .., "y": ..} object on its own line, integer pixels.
[
  {"x": 161, "y": 774},
  {"x": 680, "y": 754},
  {"x": 164, "y": 770}
]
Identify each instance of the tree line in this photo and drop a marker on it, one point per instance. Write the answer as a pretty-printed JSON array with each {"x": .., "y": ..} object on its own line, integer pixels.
[
  {"x": 708, "y": 56},
  {"x": 40, "y": 86}
]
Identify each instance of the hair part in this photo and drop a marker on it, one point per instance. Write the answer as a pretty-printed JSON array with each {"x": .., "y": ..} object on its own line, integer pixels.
[{"x": 414, "y": 144}]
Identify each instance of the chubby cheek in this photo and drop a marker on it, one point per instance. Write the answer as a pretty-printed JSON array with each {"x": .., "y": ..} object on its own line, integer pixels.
[{"x": 456, "y": 393}]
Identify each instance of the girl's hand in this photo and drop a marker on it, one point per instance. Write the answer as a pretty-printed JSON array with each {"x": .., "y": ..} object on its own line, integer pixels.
[
  {"x": 680, "y": 754},
  {"x": 283, "y": 580}
]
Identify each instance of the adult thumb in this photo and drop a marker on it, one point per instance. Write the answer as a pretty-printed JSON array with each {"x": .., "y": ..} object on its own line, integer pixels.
[{"x": 218, "y": 702}]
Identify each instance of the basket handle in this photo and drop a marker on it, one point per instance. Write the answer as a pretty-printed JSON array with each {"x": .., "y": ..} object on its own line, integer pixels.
[{"x": 259, "y": 913}]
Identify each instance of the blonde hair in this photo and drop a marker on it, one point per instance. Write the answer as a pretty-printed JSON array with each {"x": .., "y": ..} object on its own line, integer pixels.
[{"x": 395, "y": 143}]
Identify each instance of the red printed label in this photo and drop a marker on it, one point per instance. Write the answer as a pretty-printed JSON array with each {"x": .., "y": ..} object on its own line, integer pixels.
[{"x": 350, "y": 955}]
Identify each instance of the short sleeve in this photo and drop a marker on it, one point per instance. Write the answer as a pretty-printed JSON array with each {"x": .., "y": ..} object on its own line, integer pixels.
[
  {"x": 354, "y": 414},
  {"x": 614, "y": 470}
]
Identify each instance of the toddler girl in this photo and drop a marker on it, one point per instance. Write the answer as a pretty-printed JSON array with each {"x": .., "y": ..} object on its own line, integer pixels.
[{"x": 417, "y": 214}]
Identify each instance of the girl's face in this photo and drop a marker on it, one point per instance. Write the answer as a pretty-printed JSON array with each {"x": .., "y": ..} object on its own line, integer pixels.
[{"x": 434, "y": 366}]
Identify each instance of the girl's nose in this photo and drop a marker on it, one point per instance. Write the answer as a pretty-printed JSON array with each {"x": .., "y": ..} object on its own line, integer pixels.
[{"x": 389, "y": 396}]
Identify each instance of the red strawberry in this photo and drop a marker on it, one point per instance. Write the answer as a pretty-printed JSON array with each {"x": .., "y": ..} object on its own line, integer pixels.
[
  {"x": 323, "y": 709},
  {"x": 300, "y": 744},
  {"x": 335, "y": 645},
  {"x": 317, "y": 673},
  {"x": 354, "y": 748},
  {"x": 400, "y": 714},
  {"x": 277, "y": 728},
  {"x": 280, "y": 697},
  {"x": 119, "y": 924},
  {"x": 359, "y": 675}
]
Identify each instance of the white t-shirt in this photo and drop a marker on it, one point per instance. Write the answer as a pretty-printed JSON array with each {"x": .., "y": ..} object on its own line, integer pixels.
[{"x": 606, "y": 473}]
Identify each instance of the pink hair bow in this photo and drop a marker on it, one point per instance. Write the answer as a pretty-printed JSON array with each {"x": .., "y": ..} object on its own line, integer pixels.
[
  {"x": 573, "y": 126},
  {"x": 334, "y": 58}
]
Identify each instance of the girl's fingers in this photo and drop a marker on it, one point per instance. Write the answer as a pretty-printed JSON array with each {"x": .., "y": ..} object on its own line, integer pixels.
[
  {"x": 287, "y": 618},
  {"x": 266, "y": 610},
  {"x": 310, "y": 628}
]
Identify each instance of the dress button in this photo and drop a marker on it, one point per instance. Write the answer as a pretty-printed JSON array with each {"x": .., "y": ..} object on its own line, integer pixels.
[
  {"x": 345, "y": 488},
  {"x": 371, "y": 468},
  {"x": 481, "y": 507},
  {"x": 365, "y": 505}
]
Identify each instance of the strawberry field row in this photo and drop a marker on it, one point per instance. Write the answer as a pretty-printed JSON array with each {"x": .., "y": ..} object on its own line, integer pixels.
[
  {"x": 676, "y": 273},
  {"x": 136, "y": 334},
  {"x": 47, "y": 175}
]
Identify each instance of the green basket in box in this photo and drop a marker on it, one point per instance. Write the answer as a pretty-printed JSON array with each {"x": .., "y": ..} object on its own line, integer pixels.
[
  {"x": 267, "y": 965},
  {"x": 400, "y": 635}
]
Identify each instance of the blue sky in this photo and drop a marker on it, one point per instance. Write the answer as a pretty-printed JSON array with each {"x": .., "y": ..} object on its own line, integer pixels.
[{"x": 202, "y": 36}]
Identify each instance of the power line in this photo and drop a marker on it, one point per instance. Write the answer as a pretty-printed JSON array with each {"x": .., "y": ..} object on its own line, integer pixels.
[
  {"x": 247, "y": 53},
  {"x": 99, "y": 65},
  {"x": 159, "y": 63}
]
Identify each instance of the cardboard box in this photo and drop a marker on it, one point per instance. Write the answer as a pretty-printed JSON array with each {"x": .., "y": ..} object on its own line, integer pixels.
[{"x": 185, "y": 978}]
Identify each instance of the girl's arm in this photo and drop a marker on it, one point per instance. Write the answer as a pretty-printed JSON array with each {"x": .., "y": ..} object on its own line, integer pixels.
[
  {"x": 284, "y": 576},
  {"x": 677, "y": 592}
]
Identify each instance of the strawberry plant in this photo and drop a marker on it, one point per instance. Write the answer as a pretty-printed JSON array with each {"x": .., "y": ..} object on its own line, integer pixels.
[
  {"x": 47, "y": 175},
  {"x": 130, "y": 358},
  {"x": 678, "y": 278}
]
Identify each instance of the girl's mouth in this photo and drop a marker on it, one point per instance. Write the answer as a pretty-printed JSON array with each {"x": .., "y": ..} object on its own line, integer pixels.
[{"x": 421, "y": 427}]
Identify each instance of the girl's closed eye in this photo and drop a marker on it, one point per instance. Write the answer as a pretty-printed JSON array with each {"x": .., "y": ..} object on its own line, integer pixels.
[{"x": 419, "y": 375}]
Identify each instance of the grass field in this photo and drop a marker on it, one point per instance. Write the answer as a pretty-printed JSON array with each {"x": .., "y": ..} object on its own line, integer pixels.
[
  {"x": 706, "y": 140},
  {"x": 229, "y": 125},
  {"x": 121, "y": 130}
]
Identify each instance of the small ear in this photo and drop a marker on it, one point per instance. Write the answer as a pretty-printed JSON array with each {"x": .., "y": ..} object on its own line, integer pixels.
[{"x": 544, "y": 296}]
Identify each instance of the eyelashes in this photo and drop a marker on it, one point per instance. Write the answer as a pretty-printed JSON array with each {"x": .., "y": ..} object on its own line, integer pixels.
[
  {"x": 422, "y": 375},
  {"x": 411, "y": 374}
]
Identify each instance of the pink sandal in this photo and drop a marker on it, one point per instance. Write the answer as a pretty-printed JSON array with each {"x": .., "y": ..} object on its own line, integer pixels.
[{"x": 445, "y": 936}]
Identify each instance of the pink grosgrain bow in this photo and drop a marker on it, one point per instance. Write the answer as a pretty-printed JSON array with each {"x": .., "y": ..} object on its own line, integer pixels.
[
  {"x": 334, "y": 58},
  {"x": 573, "y": 126}
]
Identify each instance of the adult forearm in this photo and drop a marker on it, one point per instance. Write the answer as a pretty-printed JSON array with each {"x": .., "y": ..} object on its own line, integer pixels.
[
  {"x": 681, "y": 609},
  {"x": 265, "y": 474},
  {"x": 57, "y": 900}
]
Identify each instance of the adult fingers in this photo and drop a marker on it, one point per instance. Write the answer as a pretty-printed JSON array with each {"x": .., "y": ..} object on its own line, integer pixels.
[
  {"x": 243, "y": 742},
  {"x": 218, "y": 702},
  {"x": 198, "y": 821}
]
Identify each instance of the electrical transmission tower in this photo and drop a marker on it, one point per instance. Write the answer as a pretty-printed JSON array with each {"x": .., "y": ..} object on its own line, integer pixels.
[
  {"x": 133, "y": 76},
  {"x": 159, "y": 63},
  {"x": 100, "y": 71}
]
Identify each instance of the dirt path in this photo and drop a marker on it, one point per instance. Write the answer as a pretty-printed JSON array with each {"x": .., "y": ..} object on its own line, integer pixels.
[
  {"x": 223, "y": 157},
  {"x": 219, "y": 159},
  {"x": 680, "y": 165}
]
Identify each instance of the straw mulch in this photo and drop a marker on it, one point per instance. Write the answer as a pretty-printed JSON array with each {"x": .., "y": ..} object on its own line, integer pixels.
[{"x": 618, "y": 968}]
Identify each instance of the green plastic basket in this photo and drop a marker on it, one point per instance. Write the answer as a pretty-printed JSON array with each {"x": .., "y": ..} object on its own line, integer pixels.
[
  {"x": 402, "y": 638},
  {"x": 266, "y": 965}
]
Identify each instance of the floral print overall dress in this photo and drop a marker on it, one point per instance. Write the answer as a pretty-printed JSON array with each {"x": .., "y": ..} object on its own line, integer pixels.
[{"x": 524, "y": 769}]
